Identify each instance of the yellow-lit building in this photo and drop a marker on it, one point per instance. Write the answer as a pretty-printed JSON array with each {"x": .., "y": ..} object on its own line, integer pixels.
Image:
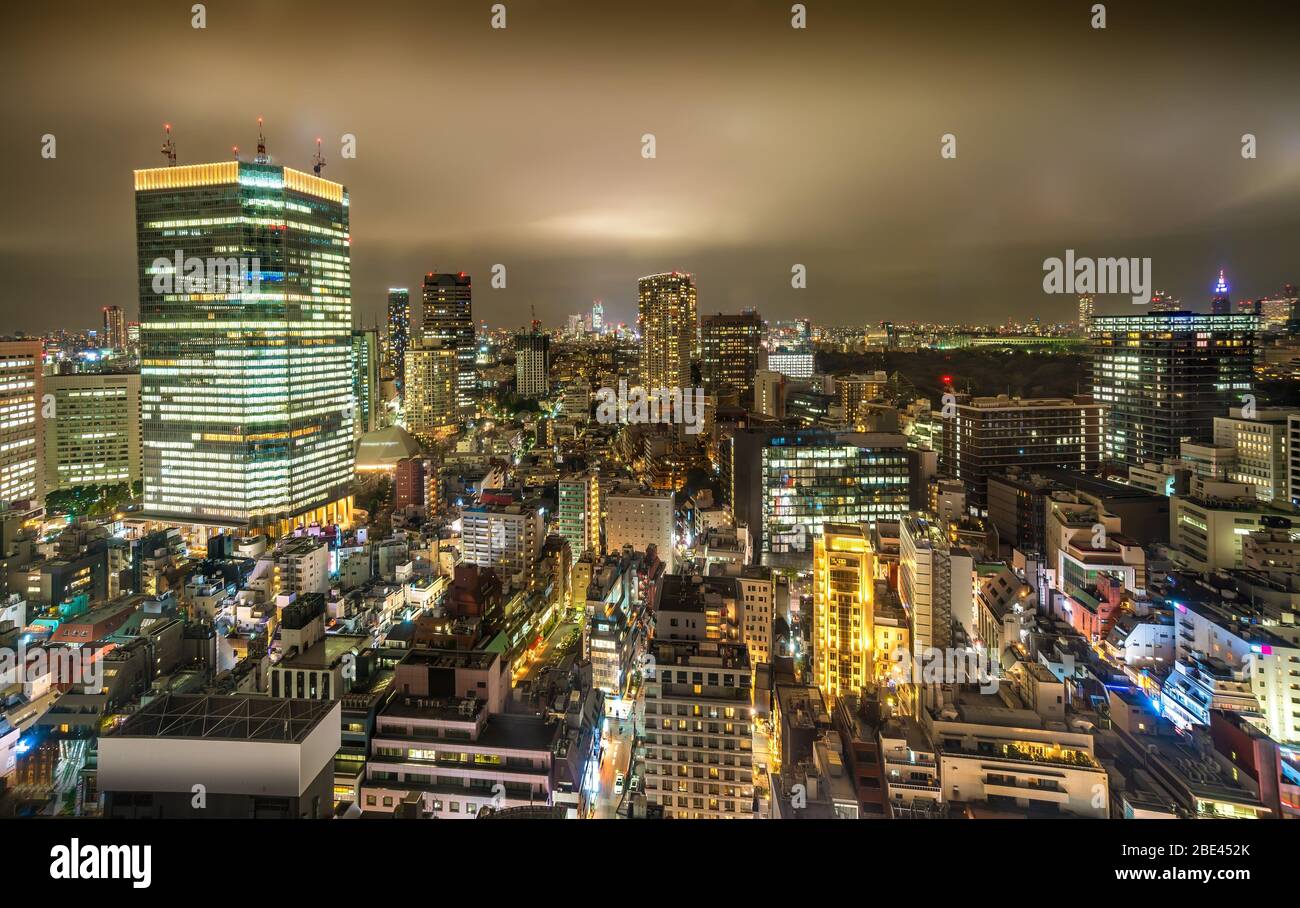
[{"x": 843, "y": 586}]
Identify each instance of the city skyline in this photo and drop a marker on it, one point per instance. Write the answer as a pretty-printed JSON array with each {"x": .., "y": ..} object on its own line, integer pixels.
[{"x": 829, "y": 159}]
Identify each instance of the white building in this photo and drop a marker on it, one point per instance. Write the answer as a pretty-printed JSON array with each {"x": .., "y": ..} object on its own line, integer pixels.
[
  {"x": 1260, "y": 443},
  {"x": 506, "y": 538},
  {"x": 1013, "y": 757},
  {"x": 935, "y": 584}
]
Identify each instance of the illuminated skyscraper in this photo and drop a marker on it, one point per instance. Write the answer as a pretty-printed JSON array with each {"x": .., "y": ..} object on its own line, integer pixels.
[
  {"x": 399, "y": 332},
  {"x": 668, "y": 329},
  {"x": 114, "y": 328},
  {"x": 1221, "y": 302},
  {"x": 20, "y": 406},
  {"x": 729, "y": 352},
  {"x": 246, "y": 348},
  {"x": 843, "y": 628},
  {"x": 597, "y": 316},
  {"x": 1165, "y": 376},
  {"x": 449, "y": 320}
]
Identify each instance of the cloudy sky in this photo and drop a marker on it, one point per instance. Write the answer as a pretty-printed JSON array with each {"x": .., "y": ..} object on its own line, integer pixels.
[{"x": 775, "y": 146}]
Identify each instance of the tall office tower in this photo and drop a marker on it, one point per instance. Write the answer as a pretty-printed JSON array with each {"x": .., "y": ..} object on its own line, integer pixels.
[
  {"x": 399, "y": 332},
  {"x": 1165, "y": 376},
  {"x": 641, "y": 519},
  {"x": 1085, "y": 312},
  {"x": 430, "y": 403},
  {"x": 21, "y": 477},
  {"x": 597, "y": 316},
  {"x": 578, "y": 512},
  {"x": 365, "y": 379},
  {"x": 93, "y": 435},
  {"x": 532, "y": 363},
  {"x": 986, "y": 435},
  {"x": 245, "y": 360},
  {"x": 448, "y": 318},
  {"x": 844, "y": 577},
  {"x": 668, "y": 329},
  {"x": 114, "y": 328},
  {"x": 935, "y": 583},
  {"x": 786, "y": 484},
  {"x": 1221, "y": 303},
  {"x": 729, "y": 352}
]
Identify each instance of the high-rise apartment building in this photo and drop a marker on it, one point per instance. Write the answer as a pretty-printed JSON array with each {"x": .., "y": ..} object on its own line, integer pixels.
[
  {"x": 935, "y": 583},
  {"x": 21, "y": 478},
  {"x": 399, "y": 332},
  {"x": 448, "y": 319},
  {"x": 843, "y": 589},
  {"x": 667, "y": 316},
  {"x": 246, "y": 346},
  {"x": 1164, "y": 377},
  {"x": 578, "y": 512},
  {"x": 986, "y": 435},
  {"x": 730, "y": 345},
  {"x": 92, "y": 435},
  {"x": 506, "y": 538},
  {"x": 114, "y": 337},
  {"x": 365, "y": 380},
  {"x": 430, "y": 402},
  {"x": 699, "y": 760},
  {"x": 532, "y": 364}
]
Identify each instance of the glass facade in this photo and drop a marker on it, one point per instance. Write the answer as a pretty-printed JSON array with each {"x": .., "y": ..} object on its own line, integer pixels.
[
  {"x": 1165, "y": 376},
  {"x": 246, "y": 385},
  {"x": 810, "y": 479}
]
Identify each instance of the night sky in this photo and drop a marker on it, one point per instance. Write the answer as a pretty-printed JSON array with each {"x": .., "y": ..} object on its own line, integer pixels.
[{"x": 775, "y": 146}]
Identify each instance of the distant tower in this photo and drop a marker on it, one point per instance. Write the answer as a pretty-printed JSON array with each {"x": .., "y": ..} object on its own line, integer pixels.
[
  {"x": 448, "y": 319},
  {"x": 114, "y": 328},
  {"x": 262, "y": 156},
  {"x": 1220, "y": 304},
  {"x": 1085, "y": 312},
  {"x": 169, "y": 147},
  {"x": 597, "y": 316}
]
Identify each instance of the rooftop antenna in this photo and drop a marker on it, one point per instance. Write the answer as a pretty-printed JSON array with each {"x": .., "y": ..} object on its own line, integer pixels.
[
  {"x": 236, "y": 150},
  {"x": 318, "y": 162},
  {"x": 262, "y": 156},
  {"x": 169, "y": 147}
]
